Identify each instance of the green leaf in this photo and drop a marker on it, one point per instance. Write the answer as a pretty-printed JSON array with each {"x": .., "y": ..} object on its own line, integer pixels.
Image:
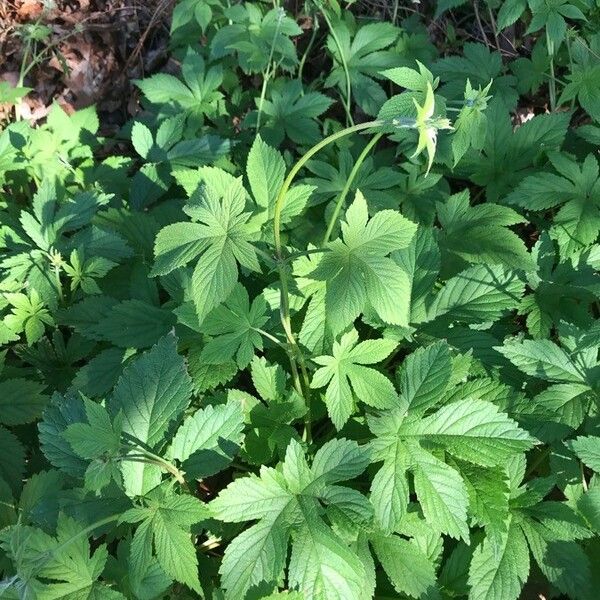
[
  {"x": 509, "y": 12},
  {"x": 500, "y": 566},
  {"x": 564, "y": 563},
  {"x": 489, "y": 494},
  {"x": 389, "y": 489},
  {"x": 141, "y": 138},
  {"x": 134, "y": 324},
  {"x": 292, "y": 111},
  {"x": 152, "y": 393},
  {"x": 346, "y": 377},
  {"x": 577, "y": 222},
  {"x": 424, "y": 376},
  {"x": 256, "y": 556},
  {"x": 543, "y": 359},
  {"x": 472, "y": 430},
  {"x": 175, "y": 552},
  {"x": 167, "y": 521},
  {"x": 62, "y": 412},
  {"x": 97, "y": 437},
  {"x": 337, "y": 460},
  {"x": 587, "y": 449},
  {"x": 265, "y": 169},
  {"x": 21, "y": 401},
  {"x": 285, "y": 501},
  {"x": 61, "y": 566},
  {"x": 589, "y": 506},
  {"x": 480, "y": 293},
  {"x": 234, "y": 327},
  {"x": 12, "y": 467},
  {"x": 322, "y": 567},
  {"x": 442, "y": 494},
  {"x": 410, "y": 571},
  {"x": 358, "y": 270},
  {"x": 480, "y": 234},
  {"x": 253, "y": 497},
  {"x": 220, "y": 241},
  {"x": 207, "y": 441},
  {"x": 365, "y": 55}
]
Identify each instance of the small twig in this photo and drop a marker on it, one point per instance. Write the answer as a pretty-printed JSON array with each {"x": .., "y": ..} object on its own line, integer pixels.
[
  {"x": 162, "y": 7},
  {"x": 494, "y": 30},
  {"x": 479, "y": 23}
]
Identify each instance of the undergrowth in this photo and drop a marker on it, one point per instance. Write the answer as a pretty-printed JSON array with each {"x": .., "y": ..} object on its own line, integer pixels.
[{"x": 321, "y": 323}]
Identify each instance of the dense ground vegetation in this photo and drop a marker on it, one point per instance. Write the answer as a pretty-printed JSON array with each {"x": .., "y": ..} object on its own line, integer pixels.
[{"x": 321, "y": 322}]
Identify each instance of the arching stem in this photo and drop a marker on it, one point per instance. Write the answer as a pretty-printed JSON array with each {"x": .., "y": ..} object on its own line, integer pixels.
[{"x": 296, "y": 356}]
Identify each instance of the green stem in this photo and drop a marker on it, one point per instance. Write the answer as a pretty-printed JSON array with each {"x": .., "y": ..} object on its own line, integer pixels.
[
  {"x": 158, "y": 460},
  {"x": 308, "y": 48},
  {"x": 280, "y": 201},
  {"x": 568, "y": 39},
  {"x": 347, "y": 100},
  {"x": 583, "y": 480},
  {"x": 44, "y": 558},
  {"x": 296, "y": 355},
  {"x": 552, "y": 80},
  {"x": 291, "y": 358},
  {"x": 340, "y": 201},
  {"x": 268, "y": 72},
  {"x": 263, "y": 93},
  {"x": 269, "y": 337},
  {"x": 58, "y": 284}
]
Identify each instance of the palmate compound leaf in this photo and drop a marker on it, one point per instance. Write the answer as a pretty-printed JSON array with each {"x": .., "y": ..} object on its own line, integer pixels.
[
  {"x": 285, "y": 502},
  {"x": 219, "y": 240},
  {"x": 577, "y": 222},
  {"x": 471, "y": 430},
  {"x": 234, "y": 327},
  {"x": 563, "y": 562},
  {"x": 166, "y": 520},
  {"x": 440, "y": 489},
  {"x": 365, "y": 54},
  {"x": 152, "y": 394},
  {"x": 481, "y": 234},
  {"x": 60, "y": 566},
  {"x": 358, "y": 271},
  {"x": 345, "y": 376}
]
